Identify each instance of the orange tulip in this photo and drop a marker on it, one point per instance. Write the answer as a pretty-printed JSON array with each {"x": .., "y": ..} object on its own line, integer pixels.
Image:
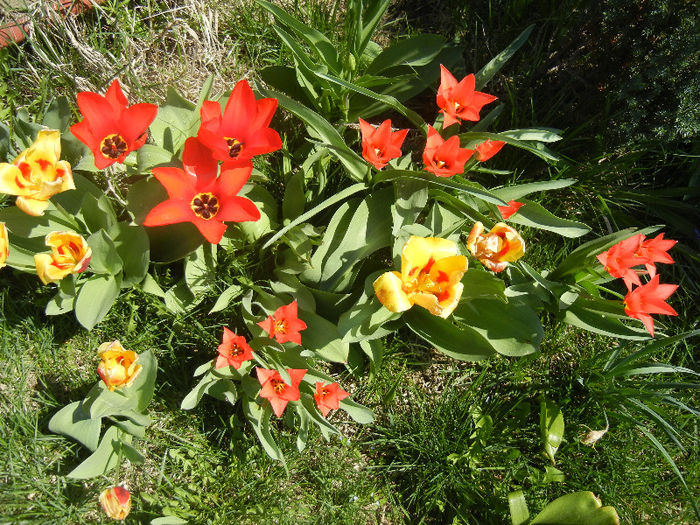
[
  {"x": 380, "y": 145},
  {"x": 648, "y": 299},
  {"x": 328, "y": 397},
  {"x": 69, "y": 254},
  {"x": 459, "y": 100},
  {"x": 274, "y": 389},
  {"x": 4, "y": 245},
  {"x": 497, "y": 248},
  {"x": 117, "y": 366},
  {"x": 431, "y": 271},
  {"x": 444, "y": 158},
  {"x": 116, "y": 502},
  {"x": 36, "y": 174}
]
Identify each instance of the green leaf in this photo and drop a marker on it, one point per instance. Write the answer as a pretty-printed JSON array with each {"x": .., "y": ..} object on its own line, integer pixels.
[
  {"x": 179, "y": 299},
  {"x": 130, "y": 427},
  {"x": 267, "y": 204},
  {"x": 363, "y": 322},
  {"x": 19, "y": 223},
  {"x": 519, "y": 515},
  {"x": 553, "y": 475},
  {"x": 62, "y": 302},
  {"x": 74, "y": 421},
  {"x": 284, "y": 79},
  {"x": 418, "y": 50},
  {"x": 370, "y": 20},
  {"x": 259, "y": 418},
  {"x": 150, "y": 156},
  {"x": 175, "y": 122},
  {"x": 195, "y": 395},
  {"x": 228, "y": 295},
  {"x": 534, "y": 215},
  {"x": 320, "y": 128},
  {"x": 521, "y": 335},
  {"x": 410, "y": 199},
  {"x": 487, "y": 72},
  {"x": 58, "y": 115},
  {"x": 551, "y": 427},
  {"x": 536, "y": 148},
  {"x": 480, "y": 284},
  {"x": 535, "y": 134},
  {"x": 602, "y": 317},
  {"x": 150, "y": 285},
  {"x": 103, "y": 459},
  {"x": 95, "y": 298},
  {"x": 169, "y": 520},
  {"x": 144, "y": 385},
  {"x": 463, "y": 343},
  {"x": 131, "y": 243},
  {"x": 200, "y": 268},
  {"x": 517, "y": 191},
  {"x": 97, "y": 212},
  {"x": 357, "y": 412},
  {"x": 579, "y": 508},
  {"x": 322, "y": 337},
  {"x": 105, "y": 259}
]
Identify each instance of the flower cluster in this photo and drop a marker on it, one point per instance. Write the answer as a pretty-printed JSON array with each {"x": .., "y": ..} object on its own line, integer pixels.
[
  {"x": 641, "y": 299},
  {"x": 458, "y": 101}
]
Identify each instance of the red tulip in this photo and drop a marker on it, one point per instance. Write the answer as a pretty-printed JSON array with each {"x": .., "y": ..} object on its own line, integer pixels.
[
  {"x": 274, "y": 389},
  {"x": 620, "y": 259},
  {"x": 380, "y": 145},
  {"x": 328, "y": 397},
  {"x": 508, "y": 211},
  {"x": 233, "y": 350},
  {"x": 459, "y": 100},
  {"x": 285, "y": 324},
  {"x": 649, "y": 299},
  {"x": 444, "y": 158},
  {"x": 488, "y": 149},
  {"x": 656, "y": 251}
]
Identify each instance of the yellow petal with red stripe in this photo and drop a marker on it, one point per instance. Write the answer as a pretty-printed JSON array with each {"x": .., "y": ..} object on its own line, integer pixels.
[{"x": 389, "y": 290}]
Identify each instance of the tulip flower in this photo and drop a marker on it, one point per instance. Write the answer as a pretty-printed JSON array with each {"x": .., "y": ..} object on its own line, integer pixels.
[
  {"x": 243, "y": 130},
  {"x": 380, "y": 145},
  {"x": 116, "y": 502},
  {"x": 69, "y": 254},
  {"x": 4, "y": 245},
  {"x": 36, "y": 174},
  {"x": 620, "y": 259},
  {"x": 285, "y": 324},
  {"x": 648, "y": 299},
  {"x": 508, "y": 211},
  {"x": 444, "y": 158},
  {"x": 110, "y": 128},
  {"x": 328, "y": 397},
  {"x": 233, "y": 350},
  {"x": 488, "y": 149},
  {"x": 655, "y": 250},
  {"x": 117, "y": 367},
  {"x": 198, "y": 196},
  {"x": 458, "y": 100},
  {"x": 274, "y": 389},
  {"x": 431, "y": 271},
  {"x": 497, "y": 248}
]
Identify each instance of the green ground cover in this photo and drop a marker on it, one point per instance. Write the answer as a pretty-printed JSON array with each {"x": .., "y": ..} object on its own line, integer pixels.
[{"x": 451, "y": 440}]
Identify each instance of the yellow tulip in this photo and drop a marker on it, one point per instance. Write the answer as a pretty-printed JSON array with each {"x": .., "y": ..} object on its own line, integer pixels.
[
  {"x": 116, "y": 502},
  {"x": 69, "y": 254},
  {"x": 117, "y": 366},
  {"x": 36, "y": 174},
  {"x": 497, "y": 248},
  {"x": 431, "y": 271},
  {"x": 4, "y": 245}
]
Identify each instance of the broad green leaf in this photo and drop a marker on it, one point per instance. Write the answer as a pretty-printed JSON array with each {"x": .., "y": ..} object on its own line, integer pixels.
[
  {"x": 519, "y": 515},
  {"x": 200, "y": 268},
  {"x": 410, "y": 199},
  {"x": 138, "y": 431},
  {"x": 168, "y": 520},
  {"x": 602, "y": 317},
  {"x": 19, "y": 223},
  {"x": 471, "y": 138},
  {"x": 357, "y": 412},
  {"x": 284, "y": 79},
  {"x": 150, "y": 285},
  {"x": 363, "y": 322},
  {"x": 132, "y": 245},
  {"x": 553, "y": 475},
  {"x": 517, "y": 191},
  {"x": 267, "y": 204},
  {"x": 463, "y": 343},
  {"x": 74, "y": 421},
  {"x": 322, "y": 129},
  {"x": 22, "y": 251},
  {"x": 97, "y": 213},
  {"x": 551, "y": 427},
  {"x": 105, "y": 259},
  {"x": 534, "y": 215},
  {"x": 259, "y": 418},
  {"x": 322, "y": 337},
  {"x": 417, "y": 50},
  {"x": 579, "y": 508},
  {"x": 535, "y": 134},
  {"x": 226, "y": 297},
  {"x": 195, "y": 395},
  {"x": 370, "y": 20},
  {"x": 179, "y": 299},
  {"x": 95, "y": 298},
  {"x": 150, "y": 156},
  {"x": 103, "y": 459},
  {"x": 294, "y": 199},
  {"x": 58, "y": 115},
  {"x": 487, "y": 72},
  {"x": 480, "y": 284}
]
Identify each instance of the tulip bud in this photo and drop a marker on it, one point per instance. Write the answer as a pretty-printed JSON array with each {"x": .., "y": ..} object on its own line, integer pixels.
[
  {"x": 117, "y": 367},
  {"x": 116, "y": 502}
]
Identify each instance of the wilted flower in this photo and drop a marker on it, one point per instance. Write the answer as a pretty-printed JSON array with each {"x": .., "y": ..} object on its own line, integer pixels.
[
  {"x": 459, "y": 100},
  {"x": 69, "y": 254},
  {"x": 274, "y": 389},
  {"x": 380, "y": 145},
  {"x": 328, "y": 397},
  {"x": 285, "y": 324},
  {"x": 116, "y": 502},
  {"x": 497, "y": 248},
  {"x": 431, "y": 271},
  {"x": 118, "y": 367},
  {"x": 36, "y": 174},
  {"x": 233, "y": 350},
  {"x": 110, "y": 127}
]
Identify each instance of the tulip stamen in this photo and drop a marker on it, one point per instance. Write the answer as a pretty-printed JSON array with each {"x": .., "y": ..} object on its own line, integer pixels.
[
  {"x": 113, "y": 146},
  {"x": 235, "y": 147},
  {"x": 281, "y": 326},
  {"x": 205, "y": 205},
  {"x": 278, "y": 386}
]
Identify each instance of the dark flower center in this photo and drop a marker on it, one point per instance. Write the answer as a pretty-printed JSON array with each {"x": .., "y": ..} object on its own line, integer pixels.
[
  {"x": 236, "y": 350},
  {"x": 278, "y": 385},
  {"x": 205, "y": 205},
  {"x": 235, "y": 147},
  {"x": 113, "y": 146}
]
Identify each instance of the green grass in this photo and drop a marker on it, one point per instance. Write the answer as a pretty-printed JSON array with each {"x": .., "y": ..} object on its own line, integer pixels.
[{"x": 451, "y": 439}]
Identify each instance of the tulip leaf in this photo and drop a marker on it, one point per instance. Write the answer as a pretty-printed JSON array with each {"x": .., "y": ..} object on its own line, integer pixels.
[
  {"x": 579, "y": 508},
  {"x": 322, "y": 337},
  {"x": 602, "y": 317},
  {"x": 521, "y": 335},
  {"x": 105, "y": 259},
  {"x": 411, "y": 196},
  {"x": 534, "y": 215},
  {"x": 303, "y": 430},
  {"x": 519, "y": 515},
  {"x": 19, "y": 223},
  {"x": 266, "y": 203},
  {"x": 259, "y": 418},
  {"x": 174, "y": 123},
  {"x": 487, "y": 72},
  {"x": 463, "y": 343},
  {"x": 74, "y": 420},
  {"x": 284, "y": 79},
  {"x": 294, "y": 197},
  {"x": 357, "y": 412},
  {"x": 130, "y": 427},
  {"x": 364, "y": 320},
  {"x": 58, "y": 115},
  {"x": 480, "y": 284},
  {"x": 168, "y": 520},
  {"x": 320, "y": 128},
  {"x": 418, "y": 50},
  {"x": 200, "y": 268},
  {"x": 150, "y": 285},
  {"x": 64, "y": 299},
  {"x": 228, "y": 295},
  {"x": 179, "y": 299},
  {"x": 144, "y": 385},
  {"x": 536, "y": 148},
  {"x": 97, "y": 212},
  {"x": 95, "y": 298},
  {"x": 517, "y": 191},
  {"x": 103, "y": 459},
  {"x": 132, "y": 245},
  {"x": 551, "y": 427}
]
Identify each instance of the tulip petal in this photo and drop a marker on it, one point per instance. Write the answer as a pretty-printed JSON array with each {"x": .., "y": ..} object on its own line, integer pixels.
[
  {"x": 388, "y": 288},
  {"x": 31, "y": 206},
  {"x": 178, "y": 183},
  {"x": 169, "y": 212}
]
